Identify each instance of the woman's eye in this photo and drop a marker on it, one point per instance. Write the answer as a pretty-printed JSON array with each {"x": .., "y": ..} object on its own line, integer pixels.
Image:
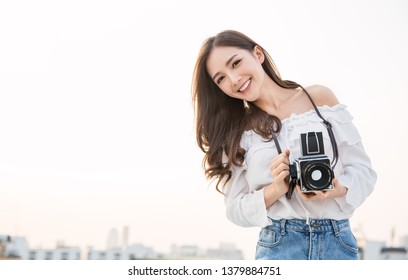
[
  {"x": 236, "y": 63},
  {"x": 219, "y": 80}
]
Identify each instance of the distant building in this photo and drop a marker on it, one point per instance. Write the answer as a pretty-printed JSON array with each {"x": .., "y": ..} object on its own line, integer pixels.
[
  {"x": 404, "y": 242},
  {"x": 112, "y": 254},
  {"x": 394, "y": 253},
  {"x": 141, "y": 252},
  {"x": 372, "y": 250},
  {"x": 223, "y": 252},
  {"x": 62, "y": 253},
  {"x": 185, "y": 252},
  {"x": 125, "y": 238},
  {"x": 13, "y": 247},
  {"x": 226, "y": 251},
  {"x": 113, "y": 240},
  {"x": 378, "y": 250},
  {"x": 132, "y": 252}
]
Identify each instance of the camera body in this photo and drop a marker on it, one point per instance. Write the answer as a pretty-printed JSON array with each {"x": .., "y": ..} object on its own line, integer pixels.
[{"x": 312, "y": 171}]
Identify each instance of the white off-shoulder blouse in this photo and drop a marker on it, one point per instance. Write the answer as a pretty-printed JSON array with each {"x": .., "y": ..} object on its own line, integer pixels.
[{"x": 244, "y": 199}]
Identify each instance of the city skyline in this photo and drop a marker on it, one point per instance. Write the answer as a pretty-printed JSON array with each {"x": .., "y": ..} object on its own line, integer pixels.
[
  {"x": 96, "y": 119},
  {"x": 18, "y": 247}
]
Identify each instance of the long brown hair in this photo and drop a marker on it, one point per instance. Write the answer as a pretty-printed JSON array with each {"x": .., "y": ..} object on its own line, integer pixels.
[{"x": 220, "y": 119}]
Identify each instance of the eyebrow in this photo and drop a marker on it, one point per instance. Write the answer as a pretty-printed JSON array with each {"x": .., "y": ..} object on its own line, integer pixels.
[{"x": 226, "y": 64}]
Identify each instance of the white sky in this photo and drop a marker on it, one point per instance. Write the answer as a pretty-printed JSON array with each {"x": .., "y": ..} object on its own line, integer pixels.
[{"x": 96, "y": 121}]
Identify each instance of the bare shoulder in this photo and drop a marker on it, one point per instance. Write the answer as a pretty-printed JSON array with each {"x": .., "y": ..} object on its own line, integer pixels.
[{"x": 322, "y": 95}]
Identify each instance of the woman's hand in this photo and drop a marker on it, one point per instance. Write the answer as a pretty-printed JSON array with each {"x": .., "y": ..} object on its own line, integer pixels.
[
  {"x": 279, "y": 168},
  {"x": 338, "y": 191}
]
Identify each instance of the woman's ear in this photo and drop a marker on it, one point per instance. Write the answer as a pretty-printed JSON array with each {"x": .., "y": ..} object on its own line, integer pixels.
[{"x": 259, "y": 54}]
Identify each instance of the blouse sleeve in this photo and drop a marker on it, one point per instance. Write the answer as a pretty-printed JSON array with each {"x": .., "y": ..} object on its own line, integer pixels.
[
  {"x": 244, "y": 207},
  {"x": 357, "y": 173}
]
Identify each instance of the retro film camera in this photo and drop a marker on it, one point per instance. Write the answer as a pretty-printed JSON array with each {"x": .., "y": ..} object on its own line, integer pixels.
[{"x": 312, "y": 171}]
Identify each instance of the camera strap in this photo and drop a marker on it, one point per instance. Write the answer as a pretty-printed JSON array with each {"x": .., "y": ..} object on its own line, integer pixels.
[
  {"x": 329, "y": 130},
  {"x": 292, "y": 183}
]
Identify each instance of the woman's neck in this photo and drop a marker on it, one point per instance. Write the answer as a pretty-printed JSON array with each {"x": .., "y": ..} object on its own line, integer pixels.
[{"x": 273, "y": 97}]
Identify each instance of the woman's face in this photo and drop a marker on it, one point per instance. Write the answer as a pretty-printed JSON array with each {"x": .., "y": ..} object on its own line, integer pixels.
[{"x": 237, "y": 72}]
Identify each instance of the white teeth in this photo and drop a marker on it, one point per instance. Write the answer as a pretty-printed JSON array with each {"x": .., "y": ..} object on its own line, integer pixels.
[{"x": 244, "y": 86}]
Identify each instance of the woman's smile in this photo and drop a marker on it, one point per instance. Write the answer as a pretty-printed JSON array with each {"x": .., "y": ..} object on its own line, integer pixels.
[{"x": 245, "y": 87}]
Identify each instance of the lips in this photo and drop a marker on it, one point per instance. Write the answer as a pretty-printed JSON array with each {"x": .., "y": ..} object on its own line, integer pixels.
[{"x": 244, "y": 86}]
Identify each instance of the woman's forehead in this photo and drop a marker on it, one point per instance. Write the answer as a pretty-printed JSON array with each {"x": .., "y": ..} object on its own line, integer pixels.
[{"x": 221, "y": 56}]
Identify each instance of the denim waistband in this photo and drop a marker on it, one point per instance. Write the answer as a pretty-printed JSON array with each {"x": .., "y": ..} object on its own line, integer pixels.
[{"x": 314, "y": 225}]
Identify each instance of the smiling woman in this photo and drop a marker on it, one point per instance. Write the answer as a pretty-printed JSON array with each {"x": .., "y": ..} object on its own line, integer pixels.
[
  {"x": 227, "y": 79},
  {"x": 242, "y": 104},
  {"x": 95, "y": 112}
]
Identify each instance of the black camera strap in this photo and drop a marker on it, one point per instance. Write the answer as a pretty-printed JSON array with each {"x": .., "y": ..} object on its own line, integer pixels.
[
  {"x": 329, "y": 130},
  {"x": 292, "y": 183}
]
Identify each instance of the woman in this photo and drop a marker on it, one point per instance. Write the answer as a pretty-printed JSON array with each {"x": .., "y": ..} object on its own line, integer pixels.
[{"x": 245, "y": 113}]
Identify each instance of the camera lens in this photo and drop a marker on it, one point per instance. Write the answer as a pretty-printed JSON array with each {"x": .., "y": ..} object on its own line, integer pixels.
[{"x": 317, "y": 175}]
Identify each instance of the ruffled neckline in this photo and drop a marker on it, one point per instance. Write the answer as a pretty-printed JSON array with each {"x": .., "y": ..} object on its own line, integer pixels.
[
  {"x": 324, "y": 108},
  {"x": 341, "y": 115}
]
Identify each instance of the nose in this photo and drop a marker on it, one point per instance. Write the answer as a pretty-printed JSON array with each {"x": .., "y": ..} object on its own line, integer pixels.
[{"x": 235, "y": 78}]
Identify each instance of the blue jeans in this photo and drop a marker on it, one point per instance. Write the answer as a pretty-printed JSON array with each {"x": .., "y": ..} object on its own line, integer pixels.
[{"x": 295, "y": 240}]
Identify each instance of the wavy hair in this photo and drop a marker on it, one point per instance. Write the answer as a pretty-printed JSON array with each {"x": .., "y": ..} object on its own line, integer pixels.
[{"x": 220, "y": 119}]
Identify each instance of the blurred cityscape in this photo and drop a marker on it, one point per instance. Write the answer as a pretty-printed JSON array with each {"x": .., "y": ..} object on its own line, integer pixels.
[{"x": 17, "y": 247}]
